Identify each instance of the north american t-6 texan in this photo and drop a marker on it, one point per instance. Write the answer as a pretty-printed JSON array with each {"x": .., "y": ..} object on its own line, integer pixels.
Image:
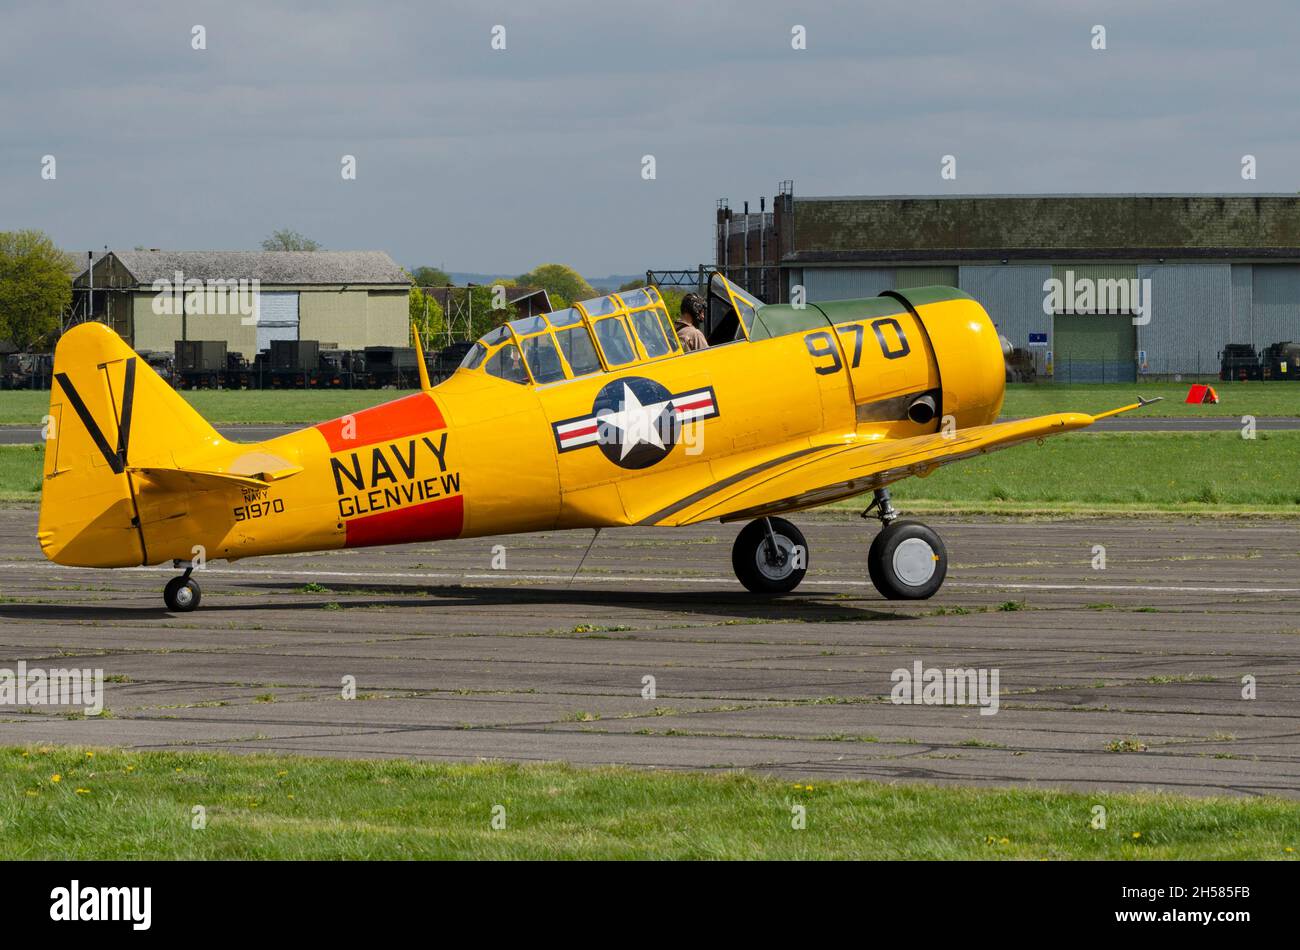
[{"x": 589, "y": 417}]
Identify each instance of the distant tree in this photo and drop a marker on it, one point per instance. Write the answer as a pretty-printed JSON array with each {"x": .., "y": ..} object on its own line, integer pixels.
[
  {"x": 485, "y": 315},
  {"x": 673, "y": 300},
  {"x": 426, "y": 314},
  {"x": 431, "y": 277},
  {"x": 563, "y": 284},
  {"x": 287, "y": 239},
  {"x": 35, "y": 287}
]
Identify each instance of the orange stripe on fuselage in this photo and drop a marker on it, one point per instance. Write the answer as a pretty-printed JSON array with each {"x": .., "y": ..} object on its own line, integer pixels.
[{"x": 401, "y": 417}]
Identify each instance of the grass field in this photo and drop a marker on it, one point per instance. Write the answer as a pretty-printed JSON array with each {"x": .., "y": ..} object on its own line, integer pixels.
[
  {"x": 20, "y": 471},
  {"x": 1175, "y": 471},
  {"x": 79, "y": 804},
  {"x": 294, "y": 407},
  {"x": 1235, "y": 399},
  {"x": 1186, "y": 472}
]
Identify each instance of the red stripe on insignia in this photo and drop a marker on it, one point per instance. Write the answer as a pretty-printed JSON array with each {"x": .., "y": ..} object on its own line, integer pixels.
[
  {"x": 704, "y": 403},
  {"x": 585, "y": 430},
  {"x": 409, "y": 415},
  {"x": 431, "y": 521}
]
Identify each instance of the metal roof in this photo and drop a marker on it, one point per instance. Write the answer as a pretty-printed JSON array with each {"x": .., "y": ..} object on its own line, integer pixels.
[{"x": 267, "y": 267}]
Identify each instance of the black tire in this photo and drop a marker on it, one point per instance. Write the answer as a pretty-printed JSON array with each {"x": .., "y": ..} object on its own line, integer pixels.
[
  {"x": 182, "y": 595},
  {"x": 903, "y": 569},
  {"x": 752, "y": 561}
]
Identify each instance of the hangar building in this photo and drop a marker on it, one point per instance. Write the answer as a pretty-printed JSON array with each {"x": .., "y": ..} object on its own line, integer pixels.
[
  {"x": 344, "y": 299},
  {"x": 1221, "y": 268}
]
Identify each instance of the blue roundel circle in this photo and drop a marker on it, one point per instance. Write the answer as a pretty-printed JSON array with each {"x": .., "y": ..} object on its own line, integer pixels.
[{"x": 637, "y": 425}]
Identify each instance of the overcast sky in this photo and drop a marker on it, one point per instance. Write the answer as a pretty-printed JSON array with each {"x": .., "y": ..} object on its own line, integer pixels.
[{"x": 498, "y": 160}]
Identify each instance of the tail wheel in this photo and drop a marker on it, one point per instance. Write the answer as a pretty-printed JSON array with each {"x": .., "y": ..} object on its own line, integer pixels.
[
  {"x": 770, "y": 556},
  {"x": 182, "y": 594},
  {"x": 907, "y": 561}
]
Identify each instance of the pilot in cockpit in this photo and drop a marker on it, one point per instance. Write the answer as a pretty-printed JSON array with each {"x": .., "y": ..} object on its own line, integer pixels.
[{"x": 688, "y": 324}]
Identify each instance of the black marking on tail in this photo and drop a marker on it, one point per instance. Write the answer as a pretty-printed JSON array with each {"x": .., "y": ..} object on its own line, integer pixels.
[
  {"x": 116, "y": 460},
  {"x": 128, "y": 400}
]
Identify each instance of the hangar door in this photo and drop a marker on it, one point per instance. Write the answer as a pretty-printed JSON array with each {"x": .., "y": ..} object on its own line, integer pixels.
[
  {"x": 1098, "y": 346},
  {"x": 1094, "y": 348},
  {"x": 277, "y": 317}
]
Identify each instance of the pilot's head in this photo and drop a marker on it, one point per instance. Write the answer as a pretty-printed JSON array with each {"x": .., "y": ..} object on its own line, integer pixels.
[{"x": 693, "y": 309}]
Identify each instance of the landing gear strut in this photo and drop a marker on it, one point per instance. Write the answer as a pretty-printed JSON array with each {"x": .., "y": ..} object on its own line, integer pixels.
[
  {"x": 770, "y": 556},
  {"x": 907, "y": 560},
  {"x": 182, "y": 593}
]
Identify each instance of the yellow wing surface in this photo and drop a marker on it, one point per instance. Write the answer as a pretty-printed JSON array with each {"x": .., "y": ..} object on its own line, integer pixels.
[{"x": 820, "y": 474}]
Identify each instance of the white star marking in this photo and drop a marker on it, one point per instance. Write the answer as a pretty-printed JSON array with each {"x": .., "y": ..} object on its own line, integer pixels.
[{"x": 637, "y": 421}]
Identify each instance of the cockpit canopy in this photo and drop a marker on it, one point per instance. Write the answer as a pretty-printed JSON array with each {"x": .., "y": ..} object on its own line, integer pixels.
[{"x": 603, "y": 334}]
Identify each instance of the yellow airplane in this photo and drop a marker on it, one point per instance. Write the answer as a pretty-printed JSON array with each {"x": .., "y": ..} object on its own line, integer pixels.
[{"x": 589, "y": 417}]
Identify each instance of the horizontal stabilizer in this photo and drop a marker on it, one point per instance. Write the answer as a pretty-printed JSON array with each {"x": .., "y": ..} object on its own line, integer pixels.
[{"x": 187, "y": 479}]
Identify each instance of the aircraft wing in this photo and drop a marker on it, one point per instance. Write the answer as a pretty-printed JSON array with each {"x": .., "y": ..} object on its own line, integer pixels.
[{"x": 822, "y": 474}]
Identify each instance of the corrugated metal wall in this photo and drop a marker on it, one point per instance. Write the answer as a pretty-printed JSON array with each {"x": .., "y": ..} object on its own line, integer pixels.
[
  {"x": 1275, "y": 310},
  {"x": 1095, "y": 271},
  {"x": 925, "y": 277},
  {"x": 1013, "y": 296},
  {"x": 1239, "y": 327},
  {"x": 1190, "y": 308},
  {"x": 388, "y": 318},
  {"x": 846, "y": 283},
  {"x": 1195, "y": 308},
  {"x": 338, "y": 318}
]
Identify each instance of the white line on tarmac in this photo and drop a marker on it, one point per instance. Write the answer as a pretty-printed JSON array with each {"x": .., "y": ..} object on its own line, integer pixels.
[{"x": 625, "y": 578}]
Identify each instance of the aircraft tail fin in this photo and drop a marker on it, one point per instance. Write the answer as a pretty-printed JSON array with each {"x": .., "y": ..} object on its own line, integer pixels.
[{"x": 110, "y": 413}]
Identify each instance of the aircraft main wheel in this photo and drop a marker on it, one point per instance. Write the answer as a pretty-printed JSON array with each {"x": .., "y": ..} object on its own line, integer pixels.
[
  {"x": 907, "y": 561},
  {"x": 764, "y": 570},
  {"x": 182, "y": 595}
]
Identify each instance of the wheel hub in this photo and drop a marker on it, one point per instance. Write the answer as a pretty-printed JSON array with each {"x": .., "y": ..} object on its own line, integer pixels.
[
  {"x": 779, "y": 567},
  {"x": 184, "y": 596},
  {"x": 914, "y": 562}
]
